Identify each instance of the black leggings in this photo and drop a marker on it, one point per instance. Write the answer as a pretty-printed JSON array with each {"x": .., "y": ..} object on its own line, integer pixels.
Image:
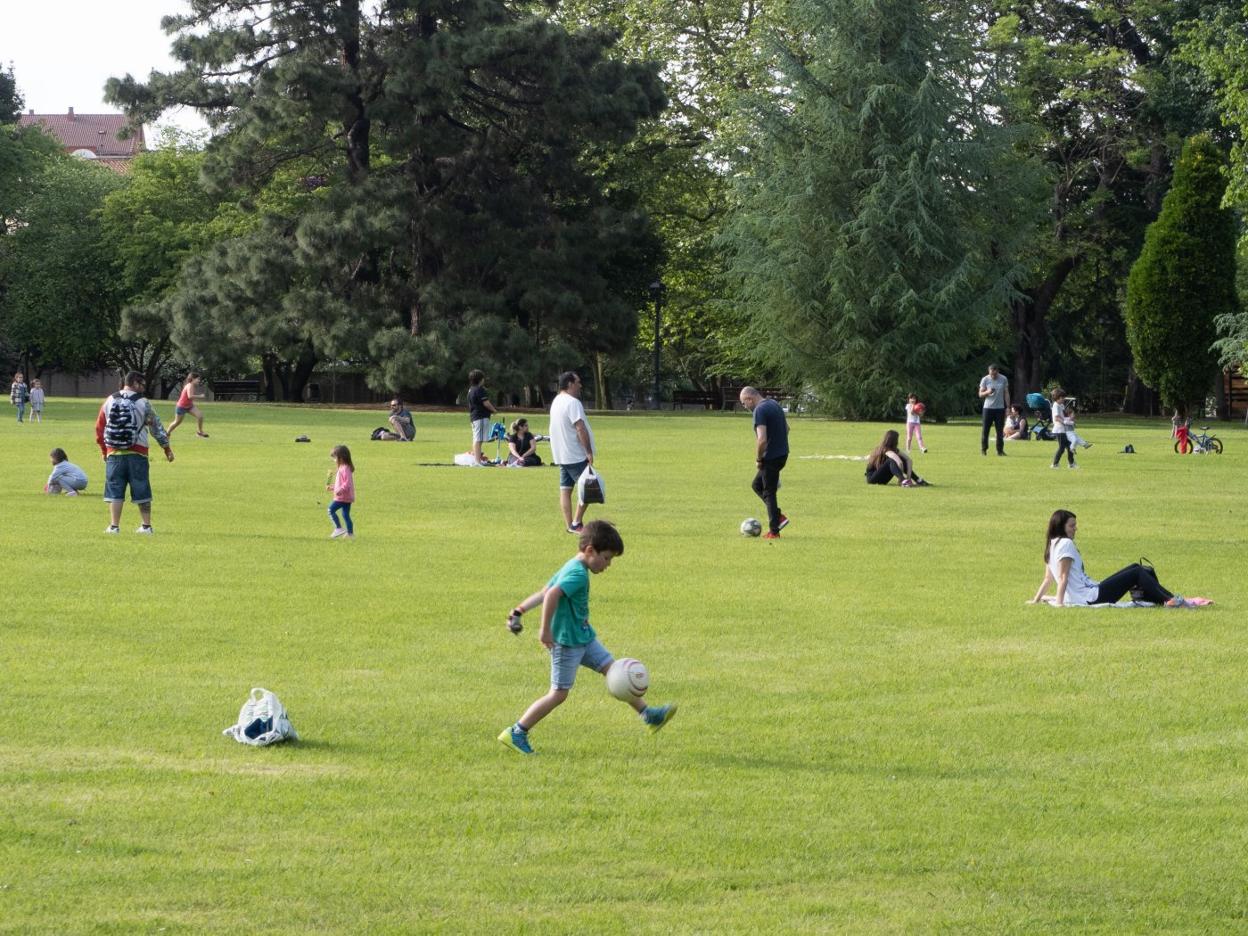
[
  {"x": 1063, "y": 445},
  {"x": 1133, "y": 576},
  {"x": 766, "y": 481},
  {"x": 887, "y": 470}
]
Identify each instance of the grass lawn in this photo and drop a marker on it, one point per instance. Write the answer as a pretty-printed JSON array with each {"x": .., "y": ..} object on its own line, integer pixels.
[{"x": 876, "y": 733}]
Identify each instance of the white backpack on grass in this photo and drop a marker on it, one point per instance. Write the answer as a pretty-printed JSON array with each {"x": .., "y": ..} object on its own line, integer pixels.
[{"x": 262, "y": 720}]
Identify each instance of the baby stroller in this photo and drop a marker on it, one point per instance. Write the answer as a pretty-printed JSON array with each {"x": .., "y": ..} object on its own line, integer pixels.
[
  {"x": 498, "y": 434},
  {"x": 1041, "y": 414}
]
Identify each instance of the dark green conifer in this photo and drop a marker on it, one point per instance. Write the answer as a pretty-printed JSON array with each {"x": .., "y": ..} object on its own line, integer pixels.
[
  {"x": 1184, "y": 279},
  {"x": 449, "y": 220},
  {"x": 882, "y": 209}
]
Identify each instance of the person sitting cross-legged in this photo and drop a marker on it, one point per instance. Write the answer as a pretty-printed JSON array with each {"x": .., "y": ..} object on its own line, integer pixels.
[{"x": 886, "y": 462}]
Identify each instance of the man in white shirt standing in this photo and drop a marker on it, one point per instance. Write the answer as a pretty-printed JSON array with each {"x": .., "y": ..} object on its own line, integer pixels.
[
  {"x": 571, "y": 444},
  {"x": 994, "y": 390}
]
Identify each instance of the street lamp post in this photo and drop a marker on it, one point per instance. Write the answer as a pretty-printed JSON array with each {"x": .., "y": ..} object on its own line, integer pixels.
[{"x": 657, "y": 290}]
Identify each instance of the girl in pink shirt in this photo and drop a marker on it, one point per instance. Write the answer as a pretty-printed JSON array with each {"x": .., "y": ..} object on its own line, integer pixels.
[{"x": 343, "y": 487}]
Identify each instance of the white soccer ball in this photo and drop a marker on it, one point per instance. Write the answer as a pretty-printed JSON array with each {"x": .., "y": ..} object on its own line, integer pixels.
[
  {"x": 628, "y": 679},
  {"x": 751, "y": 527}
]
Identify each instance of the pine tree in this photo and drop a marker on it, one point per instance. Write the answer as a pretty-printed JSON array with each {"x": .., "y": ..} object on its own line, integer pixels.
[
  {"x": 1184, "y": 280},
  {"x": 449, "y": 220},
  {"x": 879, "y": 230}
]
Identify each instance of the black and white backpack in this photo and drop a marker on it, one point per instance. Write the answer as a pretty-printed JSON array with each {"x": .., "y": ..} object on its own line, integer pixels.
[{"x": 123, "y": 422}]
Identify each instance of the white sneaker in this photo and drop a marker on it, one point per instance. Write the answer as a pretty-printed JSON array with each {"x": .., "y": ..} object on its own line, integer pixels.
[
  {"x": 1055, "y": 467},
  {"x": 340, "y": 531},
  {"x": 144, "y": 530},
  {"x": 70, "y": 492},
  {"x": 113, "y": 529},
  {"x": 1073, "y": 466}
]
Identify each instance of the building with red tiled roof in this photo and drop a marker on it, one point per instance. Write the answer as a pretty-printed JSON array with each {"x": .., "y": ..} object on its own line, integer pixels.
[{"x": 91, "y": 136}]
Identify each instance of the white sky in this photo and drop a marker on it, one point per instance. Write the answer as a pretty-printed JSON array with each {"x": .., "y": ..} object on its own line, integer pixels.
[{"x": 62, "y": 52}]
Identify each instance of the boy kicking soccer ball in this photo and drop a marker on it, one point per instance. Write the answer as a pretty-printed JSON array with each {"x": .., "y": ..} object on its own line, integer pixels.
[{"x": 569, "y": 638}]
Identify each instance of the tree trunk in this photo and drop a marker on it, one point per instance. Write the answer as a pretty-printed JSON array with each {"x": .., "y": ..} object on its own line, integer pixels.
[
  {"x": 302, "y": 374},
  {"x": 151, "y": 369},
  {"x": 602, "y": 395},
  {"x": 1140, "y": 400},
  {"x": 268, "y": 363},
  {"x": 1029, "y": 316}
]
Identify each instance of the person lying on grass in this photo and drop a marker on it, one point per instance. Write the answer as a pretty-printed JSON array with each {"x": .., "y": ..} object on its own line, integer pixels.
[
  {"x": 1064, "y": 569},
  {"x": 886, "y": 463}
]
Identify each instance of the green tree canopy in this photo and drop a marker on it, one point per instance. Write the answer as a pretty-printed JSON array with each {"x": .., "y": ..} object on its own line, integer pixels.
[
  {"x": 453, "y": 222},
  {"x": 154, "y": 224},
  {"x": 62, "y": 298},
  {"x": 1184, "y": 279},
  {"x": 1110, "y": 101}
]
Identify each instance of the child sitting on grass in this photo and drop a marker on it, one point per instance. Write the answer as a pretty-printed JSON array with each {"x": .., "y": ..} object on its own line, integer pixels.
[
  {"x": 567, "y": 635},
  {"x": 66, "y": 477}
]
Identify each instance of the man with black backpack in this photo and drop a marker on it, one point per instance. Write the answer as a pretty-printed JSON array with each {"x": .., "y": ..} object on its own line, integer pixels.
[{"x": 121, "y": 432}]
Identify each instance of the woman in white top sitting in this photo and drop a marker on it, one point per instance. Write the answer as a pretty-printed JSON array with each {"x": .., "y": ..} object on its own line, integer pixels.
[{"x": 1063, "y": 567}]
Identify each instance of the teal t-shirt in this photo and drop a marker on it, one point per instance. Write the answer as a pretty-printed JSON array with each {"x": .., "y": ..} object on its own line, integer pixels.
[{"x": 570, "y": 624}]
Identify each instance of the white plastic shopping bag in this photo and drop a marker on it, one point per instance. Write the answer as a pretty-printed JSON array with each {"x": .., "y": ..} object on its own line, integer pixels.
[
  {"x": 262, "y": 720},
  {"x": 589, "y": 487}
]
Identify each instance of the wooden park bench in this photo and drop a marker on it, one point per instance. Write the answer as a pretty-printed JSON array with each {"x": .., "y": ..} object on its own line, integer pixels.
[
  {"x": 704, "y": 398},
  {"x": 732, "y": 395},
  {"x": 248, "y": 390}
]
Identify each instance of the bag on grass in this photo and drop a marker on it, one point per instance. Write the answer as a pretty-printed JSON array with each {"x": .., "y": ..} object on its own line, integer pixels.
[
  {"x": 122, "y": 422},
  {"x": 589, "y": 487},
  {"x": 262, "y": 720}
]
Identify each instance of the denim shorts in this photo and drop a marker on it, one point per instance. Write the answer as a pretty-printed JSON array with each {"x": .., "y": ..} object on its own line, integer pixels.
[
  {"x": 181, "y": 410},
  {"x": 565, "y": 660},
  {"x": 569, "y": 474},
  {"x": 123, "y": 470},
  {"x": 481, "y": 430}
]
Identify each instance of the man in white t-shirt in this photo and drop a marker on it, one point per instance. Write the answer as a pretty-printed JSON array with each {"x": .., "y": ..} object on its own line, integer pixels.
[{"x": 571, "y": 445}]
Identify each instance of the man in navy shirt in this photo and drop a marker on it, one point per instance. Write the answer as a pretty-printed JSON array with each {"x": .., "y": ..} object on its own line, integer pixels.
[{"x": 771, "y": 432}]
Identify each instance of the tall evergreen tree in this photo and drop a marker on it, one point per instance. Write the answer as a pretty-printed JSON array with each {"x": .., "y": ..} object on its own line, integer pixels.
[
  {"x": 882, "y": 207},
  {"x": 1184, "y": 279},
  {"x": 451, "y": 219}
]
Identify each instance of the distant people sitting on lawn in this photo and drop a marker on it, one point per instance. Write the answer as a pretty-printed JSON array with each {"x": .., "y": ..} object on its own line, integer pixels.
[
  {"x": 1015, "y": 424},
  {"x": 1063, "y": 569},
  {"x": 886, "y": 463},
  {"x": 66, "y": 477},
  {"x": 522, "y": 446}
]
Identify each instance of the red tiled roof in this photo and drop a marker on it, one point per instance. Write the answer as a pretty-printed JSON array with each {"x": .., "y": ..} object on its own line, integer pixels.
[{"x": 95, "y": 132}]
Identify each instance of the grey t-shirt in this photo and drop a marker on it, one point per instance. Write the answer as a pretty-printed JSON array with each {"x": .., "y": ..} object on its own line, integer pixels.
[{"x": 996, "y": 399}]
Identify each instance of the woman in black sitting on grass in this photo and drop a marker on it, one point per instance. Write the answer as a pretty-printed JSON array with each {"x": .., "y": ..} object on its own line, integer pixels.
[
  {"x": 886, "y": 463},
  {"x": 522, "y": 447}
]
